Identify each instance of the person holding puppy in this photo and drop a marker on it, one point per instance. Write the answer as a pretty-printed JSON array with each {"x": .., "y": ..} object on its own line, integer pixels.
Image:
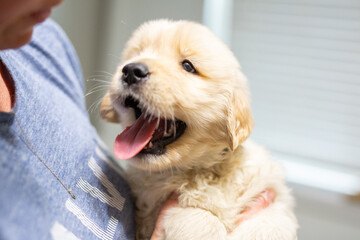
[{"x": 57, "y": 181}]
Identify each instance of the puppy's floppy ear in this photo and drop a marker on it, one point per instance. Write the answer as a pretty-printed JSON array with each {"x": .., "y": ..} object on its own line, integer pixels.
[
  {"x": 239, "y": 118},
  {"x": 107, "y": 111}
]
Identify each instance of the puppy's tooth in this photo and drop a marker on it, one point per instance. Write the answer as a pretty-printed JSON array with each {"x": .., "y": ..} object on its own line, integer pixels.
[{"x": 150, "y": 145}]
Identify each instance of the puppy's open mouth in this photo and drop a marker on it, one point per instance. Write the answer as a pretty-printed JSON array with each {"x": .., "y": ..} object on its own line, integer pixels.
[{"x": 148, "y": 135}]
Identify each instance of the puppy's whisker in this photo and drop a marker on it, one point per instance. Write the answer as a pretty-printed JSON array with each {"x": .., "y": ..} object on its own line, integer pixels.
[
  {"x": 100, "y": 85},
  {"x": 158, "y": 121},
  {"x": 96, "y": 78},
  {"x": 95, "y": 104},
  {"x": 114, "y": 56},
  {"x": 174, "y": 129},
  {"x": 118, "y": 99},
  {"x": 150, "y": 117},
  {"x": 165, "y": 130},
  {"x": 96, "y": 89},
  {"x": 105, "y": 72}
]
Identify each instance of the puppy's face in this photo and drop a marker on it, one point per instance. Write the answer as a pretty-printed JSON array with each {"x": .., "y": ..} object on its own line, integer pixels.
[{"x": 180, "y": 95}]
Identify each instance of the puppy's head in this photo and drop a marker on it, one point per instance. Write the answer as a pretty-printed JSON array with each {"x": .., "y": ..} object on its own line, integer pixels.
[{"x": 180, "y": 95}]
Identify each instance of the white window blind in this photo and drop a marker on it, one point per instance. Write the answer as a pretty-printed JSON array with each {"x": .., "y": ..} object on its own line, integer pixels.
[{"x": 302, "y": 59}]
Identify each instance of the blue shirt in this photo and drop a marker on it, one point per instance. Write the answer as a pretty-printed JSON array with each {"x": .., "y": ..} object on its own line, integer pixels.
[{"x": 51, "y": 110}]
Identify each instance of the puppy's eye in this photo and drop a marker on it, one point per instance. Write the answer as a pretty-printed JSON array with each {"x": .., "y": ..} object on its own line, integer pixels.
[{"x": 187, "y": 66}]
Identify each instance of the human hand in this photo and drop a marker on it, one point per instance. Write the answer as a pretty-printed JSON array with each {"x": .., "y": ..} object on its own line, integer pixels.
[
  {"x": 159, "y": 230},
  {"x": 262, "y": 201}
]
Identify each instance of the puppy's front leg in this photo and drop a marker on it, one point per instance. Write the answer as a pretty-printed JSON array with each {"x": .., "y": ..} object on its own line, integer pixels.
[{"x": 192, "y": 223}]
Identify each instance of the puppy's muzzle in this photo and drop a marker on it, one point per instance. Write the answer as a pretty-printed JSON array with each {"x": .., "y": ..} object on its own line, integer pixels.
[{"x": 135, "y": 73}]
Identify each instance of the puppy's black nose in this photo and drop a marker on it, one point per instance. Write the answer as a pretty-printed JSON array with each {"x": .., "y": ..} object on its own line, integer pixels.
[{"x": 133, "y": 73}]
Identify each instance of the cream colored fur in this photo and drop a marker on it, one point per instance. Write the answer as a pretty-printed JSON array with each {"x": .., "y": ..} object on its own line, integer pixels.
[{"x": 215, "y": 173}]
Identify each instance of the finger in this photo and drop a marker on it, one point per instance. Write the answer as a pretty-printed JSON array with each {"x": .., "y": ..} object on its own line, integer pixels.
[
  {"x": 261, "y": 202},
  {"x": 159, "y": 230}
]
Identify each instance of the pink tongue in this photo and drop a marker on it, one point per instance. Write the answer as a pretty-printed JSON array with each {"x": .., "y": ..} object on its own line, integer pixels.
[{"x": 134, "y": 138}]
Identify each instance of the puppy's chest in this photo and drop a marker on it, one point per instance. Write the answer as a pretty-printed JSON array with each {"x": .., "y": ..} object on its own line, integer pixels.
[{"x": 200, "y": 189}]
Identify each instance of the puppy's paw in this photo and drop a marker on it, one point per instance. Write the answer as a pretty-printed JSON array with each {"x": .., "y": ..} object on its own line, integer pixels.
[{"x": 193, "y": 223}]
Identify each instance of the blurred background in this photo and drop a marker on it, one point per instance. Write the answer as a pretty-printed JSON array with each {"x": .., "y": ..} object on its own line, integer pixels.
[{"x": 303, "y": 62}]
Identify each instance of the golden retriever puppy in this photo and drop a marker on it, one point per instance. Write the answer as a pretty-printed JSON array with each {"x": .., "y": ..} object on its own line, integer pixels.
[{"x": 184, "y": 103}]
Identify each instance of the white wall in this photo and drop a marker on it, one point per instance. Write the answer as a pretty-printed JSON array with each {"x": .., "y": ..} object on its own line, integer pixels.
[
  {"x": 81, "y": 20},
  {"x": 300, "y": 56},
  {"x": 324, "y": 215}
]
